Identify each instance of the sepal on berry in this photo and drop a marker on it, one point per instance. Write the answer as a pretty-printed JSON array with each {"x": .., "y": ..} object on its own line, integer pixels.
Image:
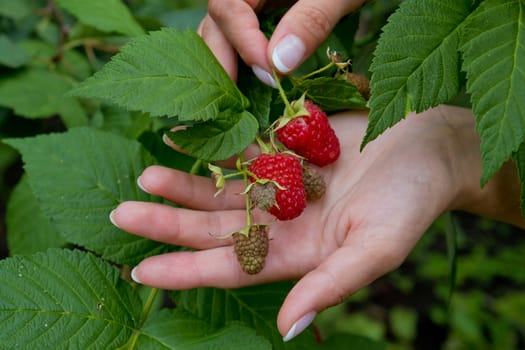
[{"x": 218, "y": 177}]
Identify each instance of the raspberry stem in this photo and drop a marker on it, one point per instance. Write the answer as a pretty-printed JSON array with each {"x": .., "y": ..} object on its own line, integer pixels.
[
  {"x": 247, "y": 199},
  {"x": 289, "y": 110}
]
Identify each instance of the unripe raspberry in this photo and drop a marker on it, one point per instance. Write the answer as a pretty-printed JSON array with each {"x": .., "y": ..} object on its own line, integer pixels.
[{"x": 252, "y": 248}]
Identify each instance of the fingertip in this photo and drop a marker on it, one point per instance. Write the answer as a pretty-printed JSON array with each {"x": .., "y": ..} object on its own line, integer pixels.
[
  {"x": 300, "y": 325},
  {"x": 303, "y": 28},
  {"x": 140, "y": 185},
  {"x": 112, "y": 218},
  {"x": 264, "y": 76},
  {"x": 134, "y": 275},
  {"x": 288, "y": 53}
]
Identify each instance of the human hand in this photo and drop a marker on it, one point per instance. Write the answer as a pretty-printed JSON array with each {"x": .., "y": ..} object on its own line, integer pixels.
[
  {"x": 231, "y": 27},
  {"x": 377, "y": 205}
]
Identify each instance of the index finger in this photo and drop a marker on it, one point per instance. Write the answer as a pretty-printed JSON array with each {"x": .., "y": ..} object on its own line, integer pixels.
[{"x": 197, "y": 192}]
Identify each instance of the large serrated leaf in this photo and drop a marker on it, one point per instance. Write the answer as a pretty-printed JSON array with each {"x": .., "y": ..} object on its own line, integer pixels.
[
  {"x": 256, "y": 307},
  {"x": 64, "y": 299},
  {"x": 38, "y": 93},
  {"x": 168, "y": 72},
  {"x": 494, "y": 56},
  {"x": 416, "y": 64},
  {"x": 105, "y": 15},
  {"x": 177, "y": 329},
  {"x": 79, "y": 177},
  {"x": 218, "y": 139},
  {"x": 28, "y": 230}
]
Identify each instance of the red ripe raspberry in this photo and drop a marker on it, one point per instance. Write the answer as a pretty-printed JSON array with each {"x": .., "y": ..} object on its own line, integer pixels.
[
  {"x": 286, "y": 171},
  {"x": 311, "y": 136}
]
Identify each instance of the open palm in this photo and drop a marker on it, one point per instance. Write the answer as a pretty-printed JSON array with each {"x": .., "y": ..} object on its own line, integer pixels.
[{"x": 377, "y": 205}]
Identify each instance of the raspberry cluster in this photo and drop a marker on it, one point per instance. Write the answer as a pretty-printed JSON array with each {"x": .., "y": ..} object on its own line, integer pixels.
[{"x": 284, "y": 177}]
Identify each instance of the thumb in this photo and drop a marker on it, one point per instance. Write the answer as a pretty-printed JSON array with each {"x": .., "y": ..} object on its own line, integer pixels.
[
  {"x": 348, "y": 269},
  {"x": 303, "y": 29}
]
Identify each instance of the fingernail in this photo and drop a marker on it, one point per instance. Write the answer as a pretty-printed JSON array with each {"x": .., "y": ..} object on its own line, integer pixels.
[
  {"x": 264, "y": 76},
  {"x": 112, "y": 219},
  {"x": 288, "y": 53},
  {"x": 139, "y": 184},
  {"x": 134, "y": 275},
  {"x": 300, "y": 326},
  {"x": 166, "y": 139}
]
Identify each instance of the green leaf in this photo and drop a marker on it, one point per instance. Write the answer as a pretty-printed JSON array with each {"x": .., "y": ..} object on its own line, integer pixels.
[
  {"x": 164, "y": 154},
  {"x": 331, "y": 94},
  {"x": 105, "y": 15},
  {"x": 79, "y": 177},
  {"x": 16, "y": 9},
  {"x": 259, "y": 94},
  {"x": 177, "y": 329},
  {"x": 218, "y": 139},
  {"x": 256, "y": 307},
  {"x": 11, "y": 54},
  {"x": 168, "y": 72},
  {"x": 416, "y": 64},
  {"x": 28, "y": 230},
  {"x": 352, "y": 341},
  {"x": 494, "y": 57},
  {"x": 38, "y": 93},
  {"x": 122, "y": 122},
  {"x": 185, "y": 18},
  {"x": 64, "y": 299},
  {"x": 519, "y": 158}
]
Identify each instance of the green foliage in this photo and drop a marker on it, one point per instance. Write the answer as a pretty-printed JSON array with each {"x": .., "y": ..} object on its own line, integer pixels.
[
  {"x": 104, "y": 15},
  {"x": 220, "y": 307},
  {"x": 78, "y": 189},
  {"x": 168, "y": 72},
  {"x": 492, "y": 45},
  {"x": 418, "y": 60},
  {"x": 30, "y": 231},
  {"x": 80, "y": 81},
  {"x": 333, "y": 95},
  {"x": 416, "y": 64},
  {"x": 74, "y": 300},
  {"x": 69, "y": 299},
  {"x": 38, "y": 93}
]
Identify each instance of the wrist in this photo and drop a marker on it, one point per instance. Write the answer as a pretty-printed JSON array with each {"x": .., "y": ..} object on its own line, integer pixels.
[{"x": 499, "y": 199}]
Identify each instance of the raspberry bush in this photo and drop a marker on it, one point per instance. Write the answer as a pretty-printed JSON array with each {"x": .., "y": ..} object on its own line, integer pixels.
[{"x": 88, "y": 88}]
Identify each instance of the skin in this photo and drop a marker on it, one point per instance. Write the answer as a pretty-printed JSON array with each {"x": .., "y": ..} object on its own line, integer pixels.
[
  {"x": 378, "y": 203},
  {"x": 231, "y": 27}
]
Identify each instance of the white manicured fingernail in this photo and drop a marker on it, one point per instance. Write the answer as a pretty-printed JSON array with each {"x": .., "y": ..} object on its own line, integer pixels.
[
  {"x": 112, "y": 219},
  {"x": 134, "y": 275},
  {"x": 287, "y": 55},
  {"x": 300, "y": 325},
  {"x": 139, "y": 184},
  {"x": 264, "y": 76}
]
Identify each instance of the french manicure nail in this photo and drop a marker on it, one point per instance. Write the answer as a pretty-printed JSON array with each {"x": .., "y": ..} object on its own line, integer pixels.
[
  {"x": 134, "y": 275},
  {"x": 288, "y": 53},
  {"x": 112, "y": 219},
  {"x": 264, "y": 76},
  {"x": 139, "y": 184},
  {"x": 300, "y": 326}
]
